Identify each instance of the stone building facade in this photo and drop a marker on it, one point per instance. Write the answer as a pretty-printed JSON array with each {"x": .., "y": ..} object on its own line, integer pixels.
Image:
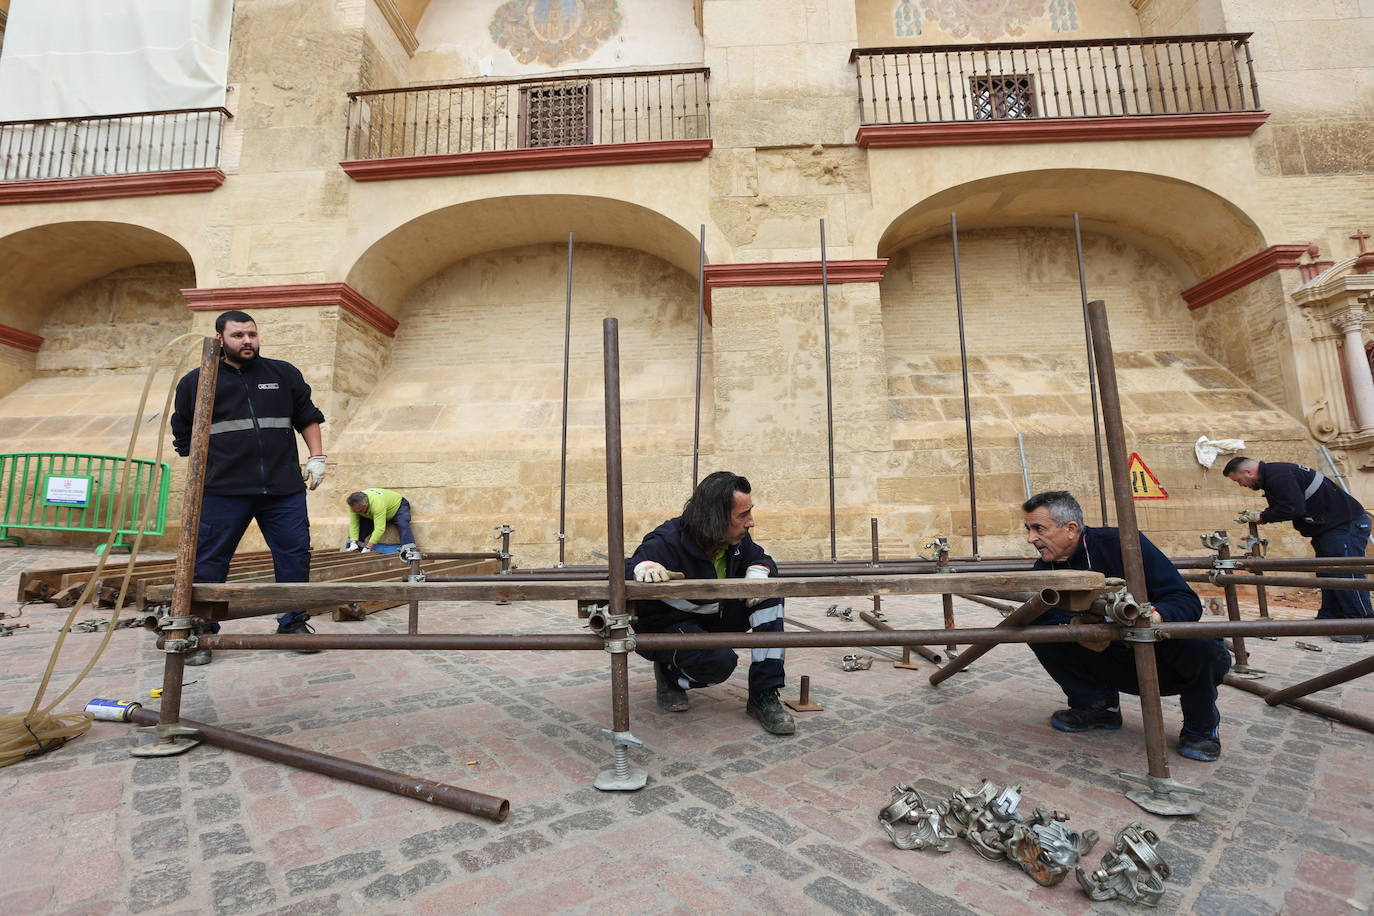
[{"x": 393, "y": 195}]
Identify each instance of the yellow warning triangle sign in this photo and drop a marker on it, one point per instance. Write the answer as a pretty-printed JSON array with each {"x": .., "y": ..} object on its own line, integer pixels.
[{"x": 1144, "y": 484}]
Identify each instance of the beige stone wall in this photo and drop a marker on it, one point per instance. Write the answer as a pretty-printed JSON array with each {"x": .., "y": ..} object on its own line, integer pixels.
[
  {"x": 884, "y": 23},
  {"x": 464, "y": 414}
]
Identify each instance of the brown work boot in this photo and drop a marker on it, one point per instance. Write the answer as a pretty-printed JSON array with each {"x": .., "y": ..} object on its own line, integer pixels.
[{"x": 671, "y": 697}]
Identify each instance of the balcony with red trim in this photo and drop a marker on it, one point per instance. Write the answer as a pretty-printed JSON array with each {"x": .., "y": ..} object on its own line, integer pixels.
[
  {"x": 1174, "y": 86},
  {"x": 482, "y": 126},
  {"x": 120, "y": 155}
]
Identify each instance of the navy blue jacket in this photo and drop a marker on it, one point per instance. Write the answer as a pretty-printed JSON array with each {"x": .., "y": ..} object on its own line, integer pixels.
[
  {"x": 669, "y": 544},
  {"x": 1099, "y": 549},
  {"x": 259, "y": 408},
  {"x": 1284, "y": 485}
]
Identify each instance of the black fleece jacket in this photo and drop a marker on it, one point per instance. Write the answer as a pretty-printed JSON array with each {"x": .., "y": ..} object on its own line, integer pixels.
[
  {"x": 1284, "y": 485},
  {"x": 259, "y": 408}
]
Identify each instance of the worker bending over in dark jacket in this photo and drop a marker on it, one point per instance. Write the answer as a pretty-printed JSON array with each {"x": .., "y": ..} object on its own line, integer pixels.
[
  {"x": 710, "y": 540},
  {"x": 1334, "y": 520},
  {"x": 1091, "y": 679}
]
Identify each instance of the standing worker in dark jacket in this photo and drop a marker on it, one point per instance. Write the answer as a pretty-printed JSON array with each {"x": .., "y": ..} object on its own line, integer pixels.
[
  {"x": 252, "y": 472},
  {"x": 1334, "y": 520},
  {"x": 710, "y": 540},
  {"x": 1091, "y": 679}
]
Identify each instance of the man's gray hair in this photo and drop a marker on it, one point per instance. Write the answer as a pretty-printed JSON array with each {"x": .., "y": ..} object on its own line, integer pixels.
[{"x": 1063, "y": 508}]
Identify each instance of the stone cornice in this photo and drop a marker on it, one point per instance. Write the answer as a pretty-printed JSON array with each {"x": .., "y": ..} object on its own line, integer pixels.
[
  {"x": 293, "y": 295},
  {"x": 404, "y": 33},
  {"x": 1062, "y": 130},
  {"x": 791, "y": 273},
  {"x": 1243, "y": 273},
  {"x": 144, "y": 184},
  {"x": 19, "y": 340},
  {"x": 519, "y": 160}
]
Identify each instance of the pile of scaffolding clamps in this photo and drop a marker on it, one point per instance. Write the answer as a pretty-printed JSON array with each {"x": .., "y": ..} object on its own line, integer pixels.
[{"x": 1042, "y": 846}]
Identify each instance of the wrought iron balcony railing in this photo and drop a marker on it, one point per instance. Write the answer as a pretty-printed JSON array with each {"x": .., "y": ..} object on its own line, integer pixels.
[
  {"x": 107, "y": 145},
  {"x": 1166, "y": 75},
  {"x": 529, "y": 113}
]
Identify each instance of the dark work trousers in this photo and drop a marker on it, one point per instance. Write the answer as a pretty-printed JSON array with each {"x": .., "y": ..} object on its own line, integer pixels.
[
  {"x": 1190, "y": 668},
  {"x": 401, "y": 519},
  {"x": 1347, "y": 540},
  {"x": 284, "y": 525},
  {"x": 704, "y": 667}
]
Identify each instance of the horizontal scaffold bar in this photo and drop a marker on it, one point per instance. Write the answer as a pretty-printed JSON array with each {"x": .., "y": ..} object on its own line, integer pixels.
[{"x": 233, "y": 599}]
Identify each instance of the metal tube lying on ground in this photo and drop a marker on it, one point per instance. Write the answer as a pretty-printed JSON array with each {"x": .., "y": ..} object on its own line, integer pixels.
[
  {"x": 1354, "y": 720},
  {"x": 435, "y": 793}
]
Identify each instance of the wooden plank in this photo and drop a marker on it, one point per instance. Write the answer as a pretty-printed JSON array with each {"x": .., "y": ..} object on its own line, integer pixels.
[{"x": 298, "y": 594}]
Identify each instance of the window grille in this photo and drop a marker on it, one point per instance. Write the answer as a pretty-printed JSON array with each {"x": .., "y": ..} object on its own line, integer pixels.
[
  {"x": 1000, "y": 97},
  {"x": 558, "y": 114}
]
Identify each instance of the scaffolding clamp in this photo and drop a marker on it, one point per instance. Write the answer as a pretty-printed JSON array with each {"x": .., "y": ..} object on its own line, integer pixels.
[
  {"x": 1132, "y": 870},
  {"x": 180, "y": 646},
  {"x": 1215, "y": 540},
  {"x": 621, "y": 645},
  {"x": 1141, "y": 634},
  {"x": 932, "y": 829},
  {"x": 417, "y": 576}
]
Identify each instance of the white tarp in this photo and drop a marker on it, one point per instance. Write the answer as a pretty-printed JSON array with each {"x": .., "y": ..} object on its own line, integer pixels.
[{"x": 76, "y": 58}]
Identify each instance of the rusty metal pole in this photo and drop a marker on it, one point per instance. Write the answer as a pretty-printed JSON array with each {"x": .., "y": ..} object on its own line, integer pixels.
[
  {"x": 829, "y": 391},
  {"x": 925, "y": 652},
  {"x": 435, "y": 793},
  {"x": 1092, "y": 368},
  {"x": 963, "y": 371},
  {"x": 1321, "y": 682},
  {"x": 873, "y": 544},
  {"x": 621, "y": 776},
  {"x": 1157, "y": 796},
  {"x": 1242, "y": 667},
  {"x": 1353, "y": 719},
  {"x": 1037, "y": 605},
  {"x": 413, "y": 619},
  {"x": 563, "y": 452},
  {"x": 947, "y": 599},
  {"x": 173, "y": 737},
  {"x": 701, "y": 325},
  {"x": 1256, "y": 550}
]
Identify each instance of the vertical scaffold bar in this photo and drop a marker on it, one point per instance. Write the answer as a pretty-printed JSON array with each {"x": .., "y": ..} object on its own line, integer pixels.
[
  {"x": 563, "y": 459},
  {"x": 701, "y": 324},
  {"x": 1092, "y": 368},
  {"x": 829, "y": 392},
  {"x": 1146, "y": 670},
  {"x": 963, "y": 371}
]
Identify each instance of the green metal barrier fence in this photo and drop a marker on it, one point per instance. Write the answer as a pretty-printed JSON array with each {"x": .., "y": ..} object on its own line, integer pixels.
[{"x": 70, "y": 491}]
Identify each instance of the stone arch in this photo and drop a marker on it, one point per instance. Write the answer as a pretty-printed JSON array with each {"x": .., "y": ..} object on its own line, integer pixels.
[
  {"x": 1146, "y": 237},
  {"x": 388, "y": 267},
  {"x": 1197, "y": 231},
  {"x": 41, "y": 264}
]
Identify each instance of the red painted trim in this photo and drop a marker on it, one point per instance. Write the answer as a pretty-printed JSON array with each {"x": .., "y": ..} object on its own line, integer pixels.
[
  {"x": 20, "y": 340},
  {"x": 517, "y": 160},
  {"x": 1063, "y": 130},
  {"x": 144, "y": 184},
  {"x": 291, "y": 296},
  {"x": 1243, "y": 273},
  {"x": 791, "y": 273}
]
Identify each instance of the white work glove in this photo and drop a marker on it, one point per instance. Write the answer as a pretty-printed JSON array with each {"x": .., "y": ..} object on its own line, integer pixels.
[
  {"x": 1248, "y": 515},
  {"x": 352, "y": 546},
  {"x": 755, "y": 572},
  {"x": 649, "y": 571},
  {"x": 314, "y": 471},
  {"x": 364, "y": 549}
]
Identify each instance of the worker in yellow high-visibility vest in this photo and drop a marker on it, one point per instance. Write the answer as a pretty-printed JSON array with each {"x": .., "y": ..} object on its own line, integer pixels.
[{"x": 370, "y": 512}]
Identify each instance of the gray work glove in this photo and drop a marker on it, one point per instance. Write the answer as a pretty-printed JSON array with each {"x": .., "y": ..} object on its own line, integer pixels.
[
  {"x": 352, "y": 546},
  {"x": 1248, "y": 515},
  {"x": 651, "y": 571},
  {"x": 313, "y": 475}
]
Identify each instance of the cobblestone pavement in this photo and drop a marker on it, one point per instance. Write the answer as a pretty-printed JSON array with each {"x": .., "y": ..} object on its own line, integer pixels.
[{"x": 733, "y": 820}]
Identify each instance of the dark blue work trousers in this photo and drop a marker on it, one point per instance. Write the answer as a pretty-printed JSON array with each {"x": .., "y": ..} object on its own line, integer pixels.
[
  {"x": 1348, "y": 540},
  {"x": 401, "y": 520},
  {"x": 284, "y": 525},
  {"x": 691, "y": 668},
  {"x": 1190, "y": 668}
]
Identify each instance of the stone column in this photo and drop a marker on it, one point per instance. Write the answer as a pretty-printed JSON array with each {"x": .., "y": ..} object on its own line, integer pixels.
[{"x": 1351, "y": 324}]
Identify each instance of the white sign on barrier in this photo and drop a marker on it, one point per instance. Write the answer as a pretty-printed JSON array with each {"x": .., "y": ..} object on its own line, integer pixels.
[{"x": 68, "y": 491}]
